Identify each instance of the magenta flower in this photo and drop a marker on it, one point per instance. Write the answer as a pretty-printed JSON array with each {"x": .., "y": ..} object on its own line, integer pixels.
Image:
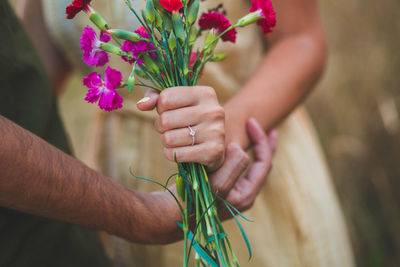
[
  {"x": 266, "y": 11},
  {"x": 217, "y": 21},
  {"x": 104, "y": 92},
  {"x": 76, "y": 7},
  {"x": 104, "y": 37},
  {"x": 138, "y": 48},
  {"x": 90, "y": 45},
  {"x": 172, "y": 5}
]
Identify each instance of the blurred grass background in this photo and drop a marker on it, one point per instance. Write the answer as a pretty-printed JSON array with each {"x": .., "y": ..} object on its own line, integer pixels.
[{"x": 355, "y": 110}]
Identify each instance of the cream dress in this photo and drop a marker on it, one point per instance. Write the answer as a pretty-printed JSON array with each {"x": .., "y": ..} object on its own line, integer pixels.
[{"x": 297, "y": 217}]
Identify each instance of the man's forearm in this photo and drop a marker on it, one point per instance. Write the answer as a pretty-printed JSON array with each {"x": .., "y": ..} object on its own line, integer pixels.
[{"x": 38, "y": 178}]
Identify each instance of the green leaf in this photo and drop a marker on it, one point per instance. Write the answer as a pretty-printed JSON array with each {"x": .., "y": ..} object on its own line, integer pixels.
[
  {"x": 163, "y": 186},
  {"x": 232, "y": 207},
  {"x": 242, "y": 231},
  {"x": 212, "y": 238},
  {"x": 201, "y": 251}
]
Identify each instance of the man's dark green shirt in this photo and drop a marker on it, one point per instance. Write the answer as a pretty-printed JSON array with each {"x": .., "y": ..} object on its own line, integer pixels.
[{"x": 26, "y": 98}]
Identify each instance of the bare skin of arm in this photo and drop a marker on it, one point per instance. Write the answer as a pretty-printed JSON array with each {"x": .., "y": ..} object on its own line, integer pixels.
[
  {"x": 293, "y": 64},
  {"x": 38, "y": 178}
]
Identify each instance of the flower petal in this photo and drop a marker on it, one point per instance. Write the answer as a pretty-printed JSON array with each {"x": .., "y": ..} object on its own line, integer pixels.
[
  {"x": 93, "y": 81},
  {"x": 110, "y": 100},
  {"x": 171, "y": 5},
  {"x": 112, "y": 78}
]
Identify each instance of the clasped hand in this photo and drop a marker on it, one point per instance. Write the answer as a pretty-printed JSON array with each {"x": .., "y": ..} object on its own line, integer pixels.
[{"x": 198, "y": 107}]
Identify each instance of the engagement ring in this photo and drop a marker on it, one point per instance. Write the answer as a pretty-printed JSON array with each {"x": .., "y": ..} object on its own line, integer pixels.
[{"x": 192, "y": 134}]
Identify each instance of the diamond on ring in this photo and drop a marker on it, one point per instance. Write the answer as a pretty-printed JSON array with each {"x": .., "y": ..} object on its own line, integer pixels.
[{"x": 192, "y": 133}]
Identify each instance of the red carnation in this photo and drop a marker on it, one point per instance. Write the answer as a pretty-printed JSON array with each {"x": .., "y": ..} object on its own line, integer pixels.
[
  {"x": 266, "y": 11},
  {"x": 171, "y": 5},
  {"x": 76, "y": 7},
  {"x": 217, "y": 21}
]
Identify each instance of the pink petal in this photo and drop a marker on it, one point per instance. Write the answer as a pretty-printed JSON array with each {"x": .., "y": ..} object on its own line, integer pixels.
[
  {"x": 110, "y": 100},
  {"x": 93, "y": 81},
  {"x": 112, "y": 78}
]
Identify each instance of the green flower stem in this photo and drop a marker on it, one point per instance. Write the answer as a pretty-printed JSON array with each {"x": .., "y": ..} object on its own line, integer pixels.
[
  {"x": 185, "y": 230},
  {"x": 150, "y": 77},
  {"x": 207, "y": 199},
  {"x": 129, "y": 5},
  {"x": 160, "y": 57},
  {"x": 141, "y": 84}
]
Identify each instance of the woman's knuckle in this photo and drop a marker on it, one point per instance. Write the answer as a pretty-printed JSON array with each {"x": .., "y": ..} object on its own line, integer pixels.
[
  {"x": 219, "y": 112},
  {"x": 208, "y": 92},
  {"x": 219, "y": 132},
  {"x": 217, "y": 151},
  {"x": 168, "y": 153},
  {"x": 164, "y": 121},
  {"x": 167, "y": 139},
  {"x": 163, "y": 99}
]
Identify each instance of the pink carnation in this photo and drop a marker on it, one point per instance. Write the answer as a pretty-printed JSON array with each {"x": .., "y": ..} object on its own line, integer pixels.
[
  {"x": 266, "y": 10},
  {"x": 90, "y": 45},
  {"x": 171, "y": 5},
  {"x": 76, "y": 7},
  {"x": 138, "y": 48},
  {"x": 104, "y": 92},
  {"x": 217, "y": 21}
]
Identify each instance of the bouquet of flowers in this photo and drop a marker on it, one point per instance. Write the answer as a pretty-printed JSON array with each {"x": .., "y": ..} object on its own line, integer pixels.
[{"x": 164, "y": 53}]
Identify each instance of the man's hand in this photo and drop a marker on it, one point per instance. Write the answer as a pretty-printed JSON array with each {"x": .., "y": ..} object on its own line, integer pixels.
[
  {"x": 37, "y": 178},
  {"x": 241, "y": 192}
]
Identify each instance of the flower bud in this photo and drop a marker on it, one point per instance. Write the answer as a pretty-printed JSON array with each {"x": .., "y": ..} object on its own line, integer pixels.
[
  {"x": 249, "y": 18},
  {"x": 149, "y": 12},
  {"x": 180, "y": 187},
  {"x": 98, "y": 20},
  {"x": 131, "y": 80},
  {"x": 148, "y": 61},
  {"x": 193, "y": 34},
  {"x": 141, "y": 73},
  {"x": 159, "y": 21},
  {"x": 193, "y": 12},
  {"x": 172, "y": 42},
  {"x": 167, "y": 21},
  {"x": 124, "y": 35},
  {"x": 112, "y": 49},
  {"x": 178, "y": 26},
  {"x": 210, "y": 42},
  {"x": 219, "y": 57}
]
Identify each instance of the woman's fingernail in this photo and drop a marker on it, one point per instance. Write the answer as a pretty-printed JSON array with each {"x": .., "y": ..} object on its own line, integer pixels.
[{"x": 143, "y": 100}]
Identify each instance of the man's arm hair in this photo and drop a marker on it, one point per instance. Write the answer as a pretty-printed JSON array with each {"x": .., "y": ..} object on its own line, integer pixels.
[{"x": 38, "y": 178}]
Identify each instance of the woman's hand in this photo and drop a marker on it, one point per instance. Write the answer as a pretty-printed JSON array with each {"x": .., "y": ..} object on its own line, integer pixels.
[
  {"x": 197, "y": 107},
  {"x": 239, "y": 189}
]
